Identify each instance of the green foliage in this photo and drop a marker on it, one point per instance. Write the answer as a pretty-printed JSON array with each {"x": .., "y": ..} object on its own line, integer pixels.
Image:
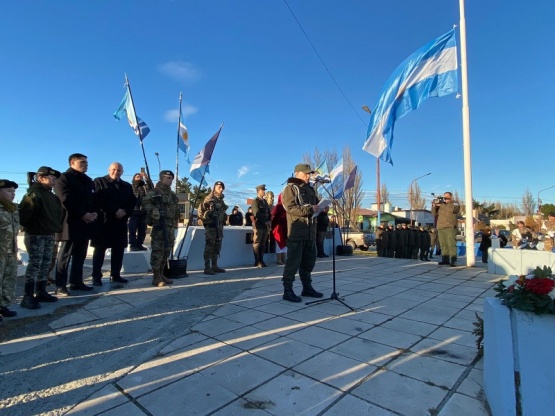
[{"x": 547, "y": 208}]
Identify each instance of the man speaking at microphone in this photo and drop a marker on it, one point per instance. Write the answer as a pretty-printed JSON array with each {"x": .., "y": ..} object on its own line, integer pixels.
[{"x": 300, "y": 203}]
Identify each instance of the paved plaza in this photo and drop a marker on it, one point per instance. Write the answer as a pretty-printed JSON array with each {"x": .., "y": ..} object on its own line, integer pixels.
[{"x": 406, "y": 349}]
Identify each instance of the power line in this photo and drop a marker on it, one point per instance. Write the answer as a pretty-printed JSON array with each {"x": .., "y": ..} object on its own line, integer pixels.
[{"x": 324, "y": 64}]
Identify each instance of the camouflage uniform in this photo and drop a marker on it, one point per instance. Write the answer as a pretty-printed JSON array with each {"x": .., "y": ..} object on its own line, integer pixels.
[
  {"x": 212, "y": 213},
  {"x": 9, "y": 228},
  {"x": 260, "y": 226},
  {"x": 161, "y": 207}
]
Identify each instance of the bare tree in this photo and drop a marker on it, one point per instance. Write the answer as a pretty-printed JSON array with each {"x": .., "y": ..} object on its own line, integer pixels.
[
  {"x": 414, "y": 196},
  {"x": 384, "y": 194},
  {"x": 528, "y": 203}
]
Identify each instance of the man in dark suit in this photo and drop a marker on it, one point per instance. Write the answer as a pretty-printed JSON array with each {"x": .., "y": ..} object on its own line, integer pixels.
[
  {"x": 76, "y": 191},
  {"x": 114, "y": 201}
]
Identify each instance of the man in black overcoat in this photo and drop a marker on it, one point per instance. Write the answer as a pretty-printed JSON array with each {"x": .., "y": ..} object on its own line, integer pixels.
[
  {"x": 114, "y": 200},
  {"x": 76, "y": 191}
]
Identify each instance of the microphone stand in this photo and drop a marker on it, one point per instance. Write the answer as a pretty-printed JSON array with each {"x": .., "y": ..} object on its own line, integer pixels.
[{"x": 334, "y": 295}]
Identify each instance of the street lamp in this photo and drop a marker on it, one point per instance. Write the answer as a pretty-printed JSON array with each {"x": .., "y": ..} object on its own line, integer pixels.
[
  {"x": 411, "y": 192},
  {"x": 159, "y": 165},
  {"x": 539, "y": 200},
  {"x": 378, "y": 192}
]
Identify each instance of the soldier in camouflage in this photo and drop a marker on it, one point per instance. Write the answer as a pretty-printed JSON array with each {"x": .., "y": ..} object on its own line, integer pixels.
[
  {"x": 212, "y": 215},
  {"x": 161, "y": 207},
  {"x": 260, "y": 225},
  {"x": 41, "y": 216},
  {"x": 9, "y": 227},
  {"x": 549, "y": 229}
]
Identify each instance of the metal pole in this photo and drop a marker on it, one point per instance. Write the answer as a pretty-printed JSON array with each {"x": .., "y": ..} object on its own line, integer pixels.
[
  {"x": 177, "y": 150},
  {"x": 159, "y": 165},
  {"x": 412, "y": 193}
]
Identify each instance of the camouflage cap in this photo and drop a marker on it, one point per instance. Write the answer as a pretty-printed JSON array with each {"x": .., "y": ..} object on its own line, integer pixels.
[
  {"x": 6, "y": 183},
  {"x": 47, "y": 171},
  {"x": 166, "y": 173},
  {"x": 304, "y": 168}
]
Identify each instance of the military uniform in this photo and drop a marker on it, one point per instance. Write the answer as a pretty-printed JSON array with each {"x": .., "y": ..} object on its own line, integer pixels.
[
  {"x": 446, "y": 214},
  {"x": 41, "y": 216},
  {"x": 161, "y": 207},
  {"x": 260, "y": 226},
  {"x": 298, "y": 201},
  {"x": 212, "y": 213},
  {"x": 549, "y": 227},
  {"x": 9, "y": 228}
]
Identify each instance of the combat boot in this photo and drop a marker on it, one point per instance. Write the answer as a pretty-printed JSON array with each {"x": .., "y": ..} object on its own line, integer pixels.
[
  {"x": 289, "y": 295},
  {"x": 157, "y": 279},
  {"x": 215, "y": 267},
  {"x": 29, "y": 300},
  {"x": 42, "y": 295},
  {"x": 309, "y": 291},
  {"x": 444, "y": 261},
  {"x": 207, "y": 268},
  {"x": 453, "y": 262},
  {"x": 164, "y": 278}
]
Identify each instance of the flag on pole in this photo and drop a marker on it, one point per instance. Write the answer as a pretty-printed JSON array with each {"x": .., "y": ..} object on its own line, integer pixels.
[
  {"x": 350, "y": 183},
  {"x": 321, "y": 174},
  {"x": 336, "y": 176},
  {"x": 126, "y": 108},
  {"x": 431, "y": 71},
  {"x": 200, "y": 165},
  {"x": 184, "y": 140}
]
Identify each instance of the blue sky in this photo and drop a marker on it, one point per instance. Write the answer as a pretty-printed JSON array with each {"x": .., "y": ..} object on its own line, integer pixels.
[{"x": 248, "y": 64}]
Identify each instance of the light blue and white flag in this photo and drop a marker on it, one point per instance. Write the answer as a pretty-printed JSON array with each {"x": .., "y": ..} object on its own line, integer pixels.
[
  {"x": 431, "y": 71},
  {"x": 127, "y": 109},
  {"x": 201, "y": 162},
  {"x": 336, "y": 177},
  {"x": 183, "y": 141}
]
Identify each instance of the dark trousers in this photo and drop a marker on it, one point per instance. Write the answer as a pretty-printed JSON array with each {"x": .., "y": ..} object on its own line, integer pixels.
[
  {"x": 116, "y": 261},
  {"x": 301, "y": 256},
  {"x": 137, "y": 230},
  {"x": 76, "y": 252}
]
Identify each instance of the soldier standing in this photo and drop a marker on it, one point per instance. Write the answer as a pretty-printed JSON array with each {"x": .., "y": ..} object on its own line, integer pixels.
[
  {"x": 41, "y": 216},
  {"x": 161, "y": 207},
  {"x": 137, "y": 221},
  {"x": 300, "y": 202},
  {"x": 549, "y": 227},
  {"x": 9, "y": 227},
  {"x": 260, "y": 226},
  {"x": 212, "y": 214}
]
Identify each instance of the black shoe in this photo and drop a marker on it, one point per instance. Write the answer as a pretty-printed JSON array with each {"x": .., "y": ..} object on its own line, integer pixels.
[
  {"x": 134, "y": 248},
  {"x": 142, "y": 248},
  {"x": 311, "y": 293},
  {"x": 119, "y": 279},
  {"x": 6, "y": 313},
  {"x": 30, "y": 302},
  {"x": 325, "y": 255},
  {"x": 62, "y": 292},
  {"x": 82, "y": 287},
  {"x": 97, "y": 281},
  {"x": 289, "y": 295},
  {"x": 321, "y": 256},
  {"x": 45, "y": 297}
]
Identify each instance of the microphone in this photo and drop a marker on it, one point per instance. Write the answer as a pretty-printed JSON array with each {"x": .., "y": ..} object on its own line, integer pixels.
[{"x": 321, "y": 180}]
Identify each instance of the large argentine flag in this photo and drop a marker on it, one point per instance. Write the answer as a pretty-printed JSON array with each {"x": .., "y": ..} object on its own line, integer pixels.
[
  {"x": 431, "y": 71},
  {"x": 200, "y": 165},
  {"x": 126, "y": 108}
]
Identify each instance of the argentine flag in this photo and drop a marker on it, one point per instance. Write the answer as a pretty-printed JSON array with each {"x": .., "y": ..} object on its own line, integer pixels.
[
  {"x": 431, "y": 71},
  {"x": 336, "y": 176},
  {"x": 126, "y": 108}
]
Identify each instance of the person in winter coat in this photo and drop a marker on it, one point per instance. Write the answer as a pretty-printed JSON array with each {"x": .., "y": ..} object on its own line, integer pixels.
[
  {"x": 9, "y": 228},
  {"x": 41, "y": 216}
]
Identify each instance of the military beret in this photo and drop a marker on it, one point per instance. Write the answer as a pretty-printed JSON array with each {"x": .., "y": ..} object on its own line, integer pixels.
[
  {"x": 263, "y": 187},
  {"x": 304, "y": 168},
  {"x": 166, "y": 173},
  {"x": 219, "y": 183},
  {"x": 551, "y": 214},
  {"x": 6, "y": 183},
  {"x": 47, "y": 171}
]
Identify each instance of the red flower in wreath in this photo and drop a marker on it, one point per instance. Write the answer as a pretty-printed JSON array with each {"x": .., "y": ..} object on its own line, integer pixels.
[{"x": 539, "y": 286}]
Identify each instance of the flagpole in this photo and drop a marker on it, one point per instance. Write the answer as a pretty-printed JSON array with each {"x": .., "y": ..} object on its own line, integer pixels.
[
  {"x": 140, "y": 134},
  {"x": 177, "y": 144},
  {"x": 379, "y": 191},
  {"x": 469, "y": 223}
]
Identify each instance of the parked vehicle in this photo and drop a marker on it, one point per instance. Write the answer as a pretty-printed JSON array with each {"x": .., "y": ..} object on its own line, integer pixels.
[{"x": 356, "y": 238}]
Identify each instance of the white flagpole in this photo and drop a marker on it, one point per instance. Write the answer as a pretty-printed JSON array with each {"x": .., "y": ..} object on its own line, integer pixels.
[
  {"x": 469, "y": 223},
  {"x": 177, "y": 149}
]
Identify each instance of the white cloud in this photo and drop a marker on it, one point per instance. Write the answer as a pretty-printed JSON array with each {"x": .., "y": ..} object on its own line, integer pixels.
[
  {"x": 173, "y": 115},
  {"x": 243, "y": 170},
  {"x": 182, "y": 71}
]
